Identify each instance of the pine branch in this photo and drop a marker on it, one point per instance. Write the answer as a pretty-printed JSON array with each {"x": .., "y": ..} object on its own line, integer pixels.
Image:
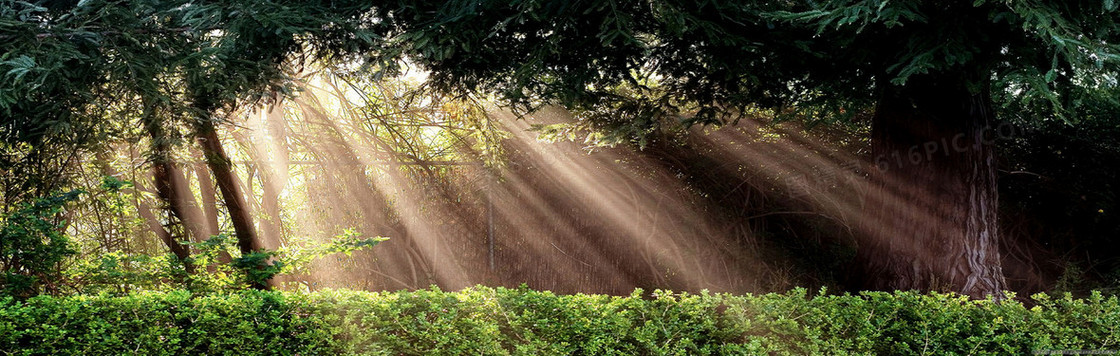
[{"x": 75, "y": 33}]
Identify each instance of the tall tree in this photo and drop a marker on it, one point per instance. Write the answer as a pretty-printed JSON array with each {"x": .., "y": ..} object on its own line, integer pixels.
[
  {"x": 930, "y": 71},
  {"x": 182, "y": 64}
]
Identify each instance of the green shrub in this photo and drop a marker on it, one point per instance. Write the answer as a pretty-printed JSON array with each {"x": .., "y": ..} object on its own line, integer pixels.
[
  {"x": 245, "y": 323},
  {"x": 32, "y": 244},
  {"x": 499, "y": 321},
  {"x": 119, "y": 273}
]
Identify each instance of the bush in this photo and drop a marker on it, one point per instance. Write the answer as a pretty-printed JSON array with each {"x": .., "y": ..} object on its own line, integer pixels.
[
  {"x": 32, "y": 244},
  {"x": 502, "y": 321},
  {"x": 175, "y": 323}
]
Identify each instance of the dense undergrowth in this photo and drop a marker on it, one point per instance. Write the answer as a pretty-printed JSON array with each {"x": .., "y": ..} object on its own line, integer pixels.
[{"x": 501, "y": 321}]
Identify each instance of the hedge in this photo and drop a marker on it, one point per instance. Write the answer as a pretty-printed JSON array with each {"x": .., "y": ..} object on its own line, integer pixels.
[{"x": 498, "y": 321}]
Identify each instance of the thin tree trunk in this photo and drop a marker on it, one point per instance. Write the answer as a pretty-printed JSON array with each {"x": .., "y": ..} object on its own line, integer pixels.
[
  {"x": 192, "y": 216},
  {"x": 239, "y": 214},
  {"x": 210, "y": 206},
  {"x": 932, "y": 219},
  {"x": 150, "y": 218},
  {"x": 270, "y": 204},
  {"x": 209, "y": 198},
  {"x": 271, "y": 186},
  {"x": 145, "y": 211},
  {"x": 274, "y": 176},
  {"x": 163, "y": 171}
]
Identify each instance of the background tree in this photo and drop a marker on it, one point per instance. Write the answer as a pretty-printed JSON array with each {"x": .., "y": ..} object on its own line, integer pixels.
[
  {"x": 929, "y": 70},
  {"x": 71, "y": 69},
  {"x": 928, "y": 76}
]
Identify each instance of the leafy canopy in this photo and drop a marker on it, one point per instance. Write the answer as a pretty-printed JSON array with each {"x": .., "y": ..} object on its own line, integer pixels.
[
  {"x": 713, "y": 60},
  {"x": 709, "y": 60}
]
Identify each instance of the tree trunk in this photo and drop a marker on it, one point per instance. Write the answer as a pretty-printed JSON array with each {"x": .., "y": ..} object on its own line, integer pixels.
[
  {"x": 931, "y": 221},
  {"x": 270, "y": 204},
  {"x": 163, "y": 173},
  {"x": 209, "y": 197},
  {"x": 271, "y": 187},
  {"x": 274, "y": 174},
  {"x": 150, "y": 218},
  {"x": 192, "y": 216},
  {"x": 210, "y": 205},
  {"x": 169, "y": 189},
  {"x": 239, "y": 214}
]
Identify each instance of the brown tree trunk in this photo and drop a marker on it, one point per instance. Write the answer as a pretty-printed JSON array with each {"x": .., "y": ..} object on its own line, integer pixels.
[
  {"x": 168, "y": 189},
  {"x": 209, "y": 197},
  {"x": 270, "y": 204},
  {"x": 150, "y": 218},
  {"x": 192, "y": 217},
  {"x": 210, "y": 206},
  {"x": 931, "y": 219},
  {"x": 274, "y": 174},
  {"x": 239, "y": 214},
  {"x": 271, "y": 187}
]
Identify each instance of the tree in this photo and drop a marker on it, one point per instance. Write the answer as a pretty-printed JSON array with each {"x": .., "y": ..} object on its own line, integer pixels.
[
  {"x": 74, "y": 67},
  {"x": 71, "y": 69},
  {"x": 930, "y": 71}
]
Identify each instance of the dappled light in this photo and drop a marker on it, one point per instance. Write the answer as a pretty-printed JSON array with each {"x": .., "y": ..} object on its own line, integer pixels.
[
  {"x": 550, "y": 214},
  {"x": 559, "y": 177},
  {"x": 470, "y": 193}
]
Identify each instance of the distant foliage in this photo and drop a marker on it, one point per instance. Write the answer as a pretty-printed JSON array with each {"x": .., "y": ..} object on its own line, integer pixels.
[
  {"x": 1060, "y": 194},
  {"x": 526, "y": 322},
  {"x": 33, "y": 244},
  {"x": 118, "y": 273}
]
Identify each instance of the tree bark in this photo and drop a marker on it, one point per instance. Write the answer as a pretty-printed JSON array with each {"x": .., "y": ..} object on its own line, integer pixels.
[
  {"x": 239, "y": 214},
  {"x": 169, "y": 189},
  {"x": 271, "y": 187},
  {"x": 931, "y": 222},
  {"x": 274, "y": 176},
  {"x": 210, "y": 206},
  {"x": 150, "y": 218},
  {"x": 209, "y": 197}
]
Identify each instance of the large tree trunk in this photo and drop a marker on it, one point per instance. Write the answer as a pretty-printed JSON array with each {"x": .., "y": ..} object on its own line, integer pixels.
[
  {"x": 239, "y": 213},
  {"x": 931, "y": 220},
  {"x": 192, "y": 216},
  {"x": 164, "y": 173}
]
